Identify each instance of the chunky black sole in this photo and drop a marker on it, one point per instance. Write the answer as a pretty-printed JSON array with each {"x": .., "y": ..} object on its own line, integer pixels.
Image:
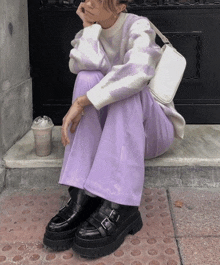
[
  {"x": 59, "y": 240},
  {"x": 60, "y": 245},
  {"x": 97, "y": 252}
]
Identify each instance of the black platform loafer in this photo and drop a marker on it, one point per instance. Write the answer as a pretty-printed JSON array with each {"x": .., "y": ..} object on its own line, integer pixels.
[
  {"x": 61, "y": 229},
  {"x": 106, "y": 229}
]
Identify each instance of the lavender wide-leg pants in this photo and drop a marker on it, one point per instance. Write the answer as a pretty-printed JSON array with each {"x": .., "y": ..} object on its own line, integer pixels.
[{"x": 108, "y": 160}]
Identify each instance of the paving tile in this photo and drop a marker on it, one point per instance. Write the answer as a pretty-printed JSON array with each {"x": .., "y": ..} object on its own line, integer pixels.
[
  {"x": 155, "y": 214},
  {"x": 200, "y": 213},
  {"x": 156, "y": 251},
  {"x": 22, "y": 253},
  {"x": 134, "y": 251},
  {"x": 24, "y": 215},
  {"x": 200, "y": 250}
]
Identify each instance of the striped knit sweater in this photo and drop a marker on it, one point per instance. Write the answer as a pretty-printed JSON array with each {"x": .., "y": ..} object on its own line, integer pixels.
[{"x": 127, "y": 55}]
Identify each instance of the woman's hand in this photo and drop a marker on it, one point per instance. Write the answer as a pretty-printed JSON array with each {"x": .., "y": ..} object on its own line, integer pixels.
[
  {"x": 84, "y": 15},
  {"x": 73, "y": 117}
]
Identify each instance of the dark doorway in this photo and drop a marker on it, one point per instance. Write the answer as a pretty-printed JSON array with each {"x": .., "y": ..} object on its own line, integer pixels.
[{"x": 191, "y": 25}]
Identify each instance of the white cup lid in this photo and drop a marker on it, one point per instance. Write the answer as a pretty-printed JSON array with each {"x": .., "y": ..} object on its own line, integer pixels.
[{"x": 42, "y": 123}]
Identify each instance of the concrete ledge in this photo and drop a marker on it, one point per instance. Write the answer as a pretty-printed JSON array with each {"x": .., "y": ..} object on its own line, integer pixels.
[
  {"x": 192, "y": 162},
  {"x": 22, "y": 154},
  {"x": 200, "y": 147},
  {"x": 182, "y": 176},
  {"x": 32, "y": 177},
  {"x": 2, "y": 178}
]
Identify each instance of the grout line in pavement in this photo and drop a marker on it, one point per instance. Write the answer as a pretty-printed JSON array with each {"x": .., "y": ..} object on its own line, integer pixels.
[{"x": 174, "y": 226}]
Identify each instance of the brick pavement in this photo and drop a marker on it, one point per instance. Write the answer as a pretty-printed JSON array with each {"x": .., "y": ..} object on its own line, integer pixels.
[
  {"x": 24, "y": 215},
  {"x": 171, "y": 235}
]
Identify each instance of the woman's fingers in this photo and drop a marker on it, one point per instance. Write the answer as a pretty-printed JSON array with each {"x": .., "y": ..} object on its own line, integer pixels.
[
  {"x": 74, "y": 126},
  {"x": 65, "y": 137},
  {"x": 75, "y": 123},
  {"x": 66, "y": 123},
  {"x": 85, "y": 16},
  {"x": 71, "y": 117},
  {"x": 81, "y": 11}
]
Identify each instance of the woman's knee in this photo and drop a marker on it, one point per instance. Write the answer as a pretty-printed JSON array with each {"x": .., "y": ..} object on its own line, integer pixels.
[
  {"x": 86, "y": 80},
  {"x": 89, "y": 78},
  {"x": 160, "y": 143}
]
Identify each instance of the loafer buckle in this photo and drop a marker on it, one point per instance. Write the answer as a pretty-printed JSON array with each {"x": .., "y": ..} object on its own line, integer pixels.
[
  {"x": 106, "y": 223},
  {"x": 112, "y": 216},
  {"x": 112, "y": 213}
]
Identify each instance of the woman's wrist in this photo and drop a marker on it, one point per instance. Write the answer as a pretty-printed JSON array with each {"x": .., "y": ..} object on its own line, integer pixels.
[{"x": 83, "y": 101}]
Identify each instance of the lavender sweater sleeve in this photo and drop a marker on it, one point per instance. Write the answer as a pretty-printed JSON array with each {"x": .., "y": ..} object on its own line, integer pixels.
[
  {"x": 137, "y": 68},
  {"x": 127, "y": 59},
  {"x": 88, "y": 53}
]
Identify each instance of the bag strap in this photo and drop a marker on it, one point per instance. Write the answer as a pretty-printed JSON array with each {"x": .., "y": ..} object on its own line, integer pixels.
[{"x": 160, "y": 34}]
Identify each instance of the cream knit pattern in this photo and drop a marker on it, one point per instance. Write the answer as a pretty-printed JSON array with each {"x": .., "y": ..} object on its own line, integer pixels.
[{"x": 127, "y": 55}]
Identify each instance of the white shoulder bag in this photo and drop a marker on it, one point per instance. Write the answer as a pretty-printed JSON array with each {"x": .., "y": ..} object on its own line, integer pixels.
[{"x": 168, "y": 73}]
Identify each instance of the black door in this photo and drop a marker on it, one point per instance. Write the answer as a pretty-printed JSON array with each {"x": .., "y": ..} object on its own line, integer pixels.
[{"x": 192, "y": 26}]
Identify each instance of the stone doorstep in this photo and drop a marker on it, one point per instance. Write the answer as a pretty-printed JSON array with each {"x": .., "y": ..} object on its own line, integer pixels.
[
  {"x": 193, "y": 161},
  {"x": 200, "y": 147},
  {"x": 22, "y": 153}
]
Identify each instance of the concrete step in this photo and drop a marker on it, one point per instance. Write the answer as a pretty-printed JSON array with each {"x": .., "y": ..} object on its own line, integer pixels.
[{"x": 192, "y": 162}]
